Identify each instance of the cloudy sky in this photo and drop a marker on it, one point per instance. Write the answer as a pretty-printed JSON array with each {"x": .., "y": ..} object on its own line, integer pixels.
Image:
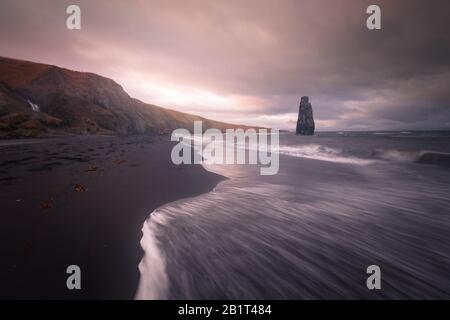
[{"x": 250, "y": 61}]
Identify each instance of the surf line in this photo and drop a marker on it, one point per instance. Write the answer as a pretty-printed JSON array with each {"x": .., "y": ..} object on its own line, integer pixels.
[{"x": 215, "y": 147}]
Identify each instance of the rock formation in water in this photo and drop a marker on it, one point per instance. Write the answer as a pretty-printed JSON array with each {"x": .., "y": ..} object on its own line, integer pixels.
[{"x": 305, "y": 122}]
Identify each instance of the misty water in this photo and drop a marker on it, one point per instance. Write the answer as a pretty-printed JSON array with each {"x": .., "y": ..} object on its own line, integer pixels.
[{"x": 340, "y": 202}]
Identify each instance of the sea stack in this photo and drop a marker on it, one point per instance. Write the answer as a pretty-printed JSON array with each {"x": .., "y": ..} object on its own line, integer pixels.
[{"x": 305, "y": 122}]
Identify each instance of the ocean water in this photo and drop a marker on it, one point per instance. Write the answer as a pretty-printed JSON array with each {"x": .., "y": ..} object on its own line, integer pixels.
[{"x": 341, "y": 201}]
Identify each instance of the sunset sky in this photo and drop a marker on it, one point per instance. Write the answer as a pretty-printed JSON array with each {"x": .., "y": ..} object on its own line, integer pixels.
[{"x": 250, "y": 61}]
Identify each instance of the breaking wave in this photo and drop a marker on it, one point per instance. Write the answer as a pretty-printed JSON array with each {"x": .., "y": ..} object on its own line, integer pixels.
[
  {"x": 323, "y": 153},
  {"x": 397, "y": 155},
  {"x": 424, "y": 156},
  {"x": 317, "y": 152}
]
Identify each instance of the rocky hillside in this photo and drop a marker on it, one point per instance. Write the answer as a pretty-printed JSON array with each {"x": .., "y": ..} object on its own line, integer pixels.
[{"x": 38, "y": 99}]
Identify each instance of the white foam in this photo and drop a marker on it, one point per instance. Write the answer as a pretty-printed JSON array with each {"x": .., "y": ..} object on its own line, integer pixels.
[
  {"x": 317, "y": 152},
  {"x": 154, "y": 283},
  {"x": 396, "y": 155}
]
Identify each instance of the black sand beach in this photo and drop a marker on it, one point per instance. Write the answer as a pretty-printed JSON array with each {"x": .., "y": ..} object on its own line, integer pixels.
[{"x": 83, "y": 201}]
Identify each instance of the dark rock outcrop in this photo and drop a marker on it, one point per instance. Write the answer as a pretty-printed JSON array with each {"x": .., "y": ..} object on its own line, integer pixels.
[
  {"x": 38, "y": 99},
  {"x": 305, "y": 122}
]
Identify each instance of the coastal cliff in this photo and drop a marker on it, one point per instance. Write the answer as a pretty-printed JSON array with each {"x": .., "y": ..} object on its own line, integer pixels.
[{"x": 39, "y": 99}]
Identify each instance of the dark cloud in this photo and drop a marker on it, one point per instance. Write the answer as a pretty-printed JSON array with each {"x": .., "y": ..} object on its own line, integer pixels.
[{"x": 250, "y": 61}]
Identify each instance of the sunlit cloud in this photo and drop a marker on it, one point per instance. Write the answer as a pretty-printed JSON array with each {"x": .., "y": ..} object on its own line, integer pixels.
[{"x": 250, "y": 61}]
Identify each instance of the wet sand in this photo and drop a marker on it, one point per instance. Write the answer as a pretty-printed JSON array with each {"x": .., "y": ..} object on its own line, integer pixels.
[{"x": 83, "y": 201}]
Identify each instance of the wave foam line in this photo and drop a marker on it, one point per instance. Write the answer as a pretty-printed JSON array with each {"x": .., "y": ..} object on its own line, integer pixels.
[
  {"x": 317, "y": 152},
  {"x": 154, "y": 283}
]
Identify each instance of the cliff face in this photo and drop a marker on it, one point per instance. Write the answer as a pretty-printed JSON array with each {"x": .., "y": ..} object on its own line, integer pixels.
[
  {"x": 305, "y": 122},
  {"x": 36, "y": 99}
]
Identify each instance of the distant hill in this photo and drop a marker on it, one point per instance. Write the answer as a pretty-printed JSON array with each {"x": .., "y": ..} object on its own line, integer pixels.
[{"x": 39, "y": 99}]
